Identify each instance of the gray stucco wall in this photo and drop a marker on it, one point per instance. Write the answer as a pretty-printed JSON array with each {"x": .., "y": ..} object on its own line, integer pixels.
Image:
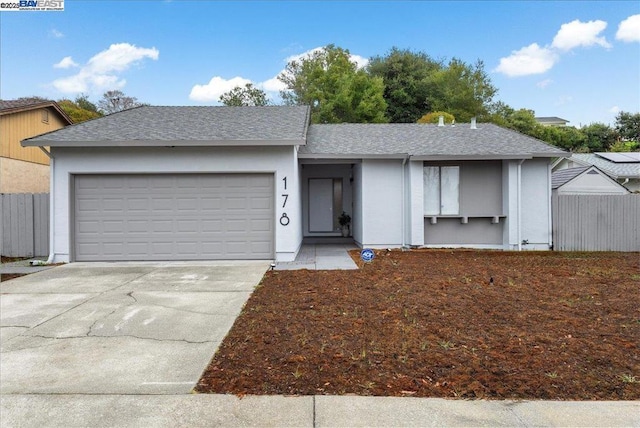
[{"x": 479, "y": 231}]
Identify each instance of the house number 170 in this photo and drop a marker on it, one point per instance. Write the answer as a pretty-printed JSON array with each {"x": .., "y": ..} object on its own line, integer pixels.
[{"x": 284, "y": 219}]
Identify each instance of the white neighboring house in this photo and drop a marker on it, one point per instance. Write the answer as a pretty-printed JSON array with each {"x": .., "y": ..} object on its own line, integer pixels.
[
  {"x": 207, "y": 183},
  {"x": 622, "y": 167},
  {"x": 585, "y": 180}
]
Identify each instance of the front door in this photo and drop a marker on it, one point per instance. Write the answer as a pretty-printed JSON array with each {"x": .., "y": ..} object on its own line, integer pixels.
[{"x": 325, "y": 204}]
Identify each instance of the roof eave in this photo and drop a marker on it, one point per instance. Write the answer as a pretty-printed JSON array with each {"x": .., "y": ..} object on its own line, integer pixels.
[
  {"x": 161, "y": 143},
  {"x": 46, "y": 104},
  {"x": 352, "y": 156},
  {"x": 442, "y": 157}
]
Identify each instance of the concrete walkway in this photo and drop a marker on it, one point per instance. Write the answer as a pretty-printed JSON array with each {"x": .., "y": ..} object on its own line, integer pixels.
[
  {"x": 321, "y": 257},
  {"x": 24, "y": 266}
]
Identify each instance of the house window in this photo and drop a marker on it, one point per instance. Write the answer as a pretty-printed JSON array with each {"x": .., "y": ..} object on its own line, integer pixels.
[
  {"x": 441, "y": 190},
  {"x": 45, "y": 116}
]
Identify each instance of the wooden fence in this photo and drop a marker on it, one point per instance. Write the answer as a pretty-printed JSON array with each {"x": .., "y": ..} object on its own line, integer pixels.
[
  {"x": 24, "y": 224},
  {"x": 596, "y": 222}
]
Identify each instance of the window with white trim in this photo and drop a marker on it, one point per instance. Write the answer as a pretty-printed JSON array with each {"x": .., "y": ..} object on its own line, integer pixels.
[{"x": 441, "y": 190}]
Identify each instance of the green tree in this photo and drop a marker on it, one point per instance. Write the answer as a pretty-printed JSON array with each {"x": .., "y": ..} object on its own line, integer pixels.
[
  {"x": 599, "y": 137},
  {"x": 434, "y": 117},
  {"x": 628, "y": 126},
  {"x": 406, "y": 76},
  {"x": 76, "y": 112},
  {"x": 334, "y": 87},
  {"x": 115, "y": 101},
  {"x": 416, "y": 84},
  {"x": 81, "y": 109},
  {"x": 463, "y": 90},
  {"x": 247, "y": 96}
]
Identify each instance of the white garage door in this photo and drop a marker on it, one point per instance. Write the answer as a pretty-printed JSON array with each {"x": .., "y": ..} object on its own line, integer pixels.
[{"x": 173, "y": 217}]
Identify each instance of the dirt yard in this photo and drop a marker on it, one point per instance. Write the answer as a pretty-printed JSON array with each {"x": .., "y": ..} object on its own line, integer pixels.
[{"x": 439, "y": 323}]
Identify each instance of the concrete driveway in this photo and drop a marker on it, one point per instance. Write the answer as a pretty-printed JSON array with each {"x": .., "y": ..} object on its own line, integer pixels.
[{"x": 118, "y": 328}]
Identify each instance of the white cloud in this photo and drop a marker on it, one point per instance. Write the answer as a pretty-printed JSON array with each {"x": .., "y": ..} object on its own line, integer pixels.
[
  {"x": 66, "y": 62},
  {"x": 57, "y": 34},
  {"x": 544, "y": 83},
  {"x": 614, "y": 110},
  {"x": 629, "y": 29},
  {"x": 536, "y": 59},
  {"x": 216, "y": 87},
  {"x": 273, "y": 85},
  {"x": 101, "y": 72},
  {"x": 577, "y": 33},
  {"x": 531, "y": 59}
]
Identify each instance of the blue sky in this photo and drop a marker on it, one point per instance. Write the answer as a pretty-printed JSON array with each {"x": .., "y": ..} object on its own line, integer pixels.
[{"x": 576, "y": 60}]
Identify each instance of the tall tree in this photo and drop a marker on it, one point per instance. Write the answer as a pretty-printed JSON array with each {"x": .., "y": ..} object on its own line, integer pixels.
[
  {"x": 334, "y": 87},
  {"x": 599, "y": 137},
  {"x": 628, "y": 125},
  {"x": 406, "y": 79},
  {"x": 115, "y": 101},
  {"x": 416, "y": 84},
  {"x": 462, "y": 89},
  {"x": 247, "y": 96}
]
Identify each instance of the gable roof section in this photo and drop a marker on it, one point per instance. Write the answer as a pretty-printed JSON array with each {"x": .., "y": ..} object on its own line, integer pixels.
[
  {"x": 612, "y": 169},
  {"x": 185, "y": 126},
  {"x": 563, "y": 176},
  {"x": 17, "y": 106},
  {"x": 423, "y": 142}
]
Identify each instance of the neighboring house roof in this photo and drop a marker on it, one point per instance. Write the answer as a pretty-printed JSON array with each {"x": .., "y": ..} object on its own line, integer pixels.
[
  {"x": 151, "y": 125},
  {"x": 423, "y": 141},
  {"x": 615, "y": 170},
  {"x": 551, "y": 120},
  {"x": 563, "y": 176},
  {"x": 16, "y": 106}
]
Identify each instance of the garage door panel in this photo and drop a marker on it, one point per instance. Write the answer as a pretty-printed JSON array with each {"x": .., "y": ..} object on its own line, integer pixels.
[{"x": 174, "y": 217}]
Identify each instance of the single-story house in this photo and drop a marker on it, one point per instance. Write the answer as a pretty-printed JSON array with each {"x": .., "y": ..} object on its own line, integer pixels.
[
  {"x": 585, "y": 180},
  {"x": 622, "y": 167},
  {"x": 203, "y": 183}
]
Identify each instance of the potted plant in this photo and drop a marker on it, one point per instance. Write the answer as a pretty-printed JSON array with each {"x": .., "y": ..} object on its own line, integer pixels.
[{"x": 345, "y": 222}]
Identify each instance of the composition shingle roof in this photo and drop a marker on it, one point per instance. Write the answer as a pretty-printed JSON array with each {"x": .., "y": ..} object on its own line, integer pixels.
[
  {"x": 563, "y": 176},
  {"x": 147, "y": 125},
  {"x": 422, "y": 140},
  {"x": 615, "y": 170}
]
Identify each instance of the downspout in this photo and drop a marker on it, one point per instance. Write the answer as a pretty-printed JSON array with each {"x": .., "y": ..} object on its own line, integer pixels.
[
  {"x": 549, "y": 199},
  {"x": 519, "y": 197},
  {"x": 404, "y": 201},
  {"x": 52, "y": 163}
]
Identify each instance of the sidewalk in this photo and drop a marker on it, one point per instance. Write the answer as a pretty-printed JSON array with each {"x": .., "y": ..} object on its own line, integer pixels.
[{"x": 199, "y": 410}]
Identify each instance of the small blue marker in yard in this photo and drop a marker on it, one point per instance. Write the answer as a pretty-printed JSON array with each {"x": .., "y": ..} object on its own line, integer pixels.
[{"x": 367, "y": 255}]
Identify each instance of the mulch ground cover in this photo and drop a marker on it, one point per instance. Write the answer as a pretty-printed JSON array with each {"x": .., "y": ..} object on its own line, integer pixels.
[{"x": 438, "y": 323}]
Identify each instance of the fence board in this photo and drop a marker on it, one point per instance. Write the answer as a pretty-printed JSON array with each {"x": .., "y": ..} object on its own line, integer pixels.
[
  {"x": 24, "y": 224},
  {"x": 596, "y": 222}
]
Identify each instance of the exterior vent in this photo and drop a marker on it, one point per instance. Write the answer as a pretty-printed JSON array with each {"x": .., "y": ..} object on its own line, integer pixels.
[{"x": 440, "y": 120}]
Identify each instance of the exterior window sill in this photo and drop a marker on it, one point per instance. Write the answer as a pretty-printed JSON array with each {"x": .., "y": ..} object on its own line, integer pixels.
[{"x": 464, "y": 219}]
